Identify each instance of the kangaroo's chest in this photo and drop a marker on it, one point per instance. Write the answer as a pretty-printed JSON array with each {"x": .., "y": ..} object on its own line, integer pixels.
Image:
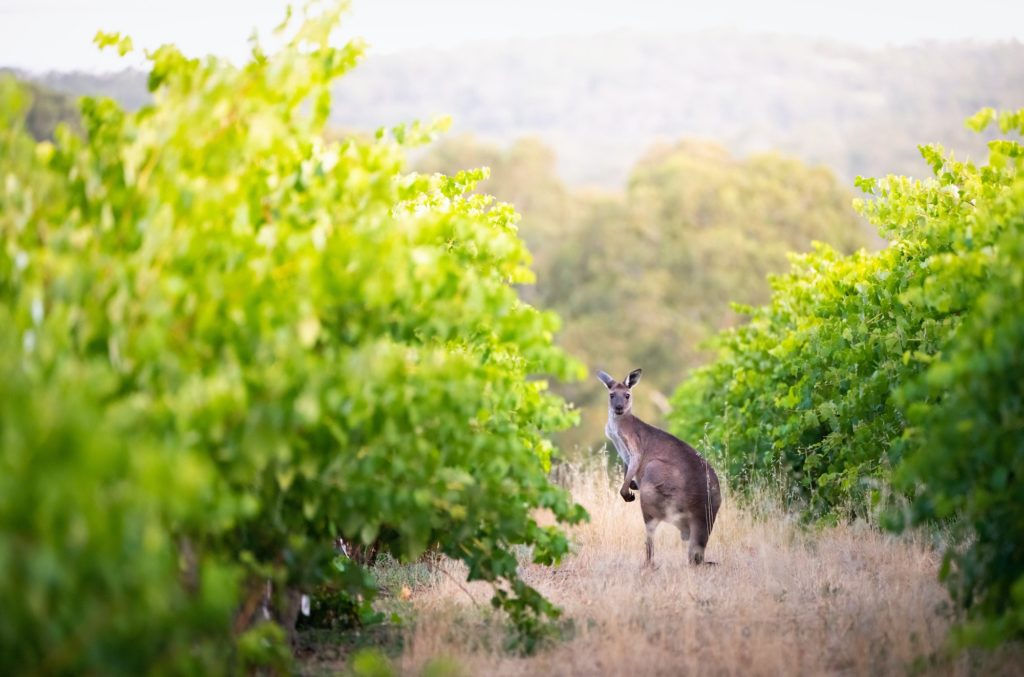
[{"x": 614, "y": 433}]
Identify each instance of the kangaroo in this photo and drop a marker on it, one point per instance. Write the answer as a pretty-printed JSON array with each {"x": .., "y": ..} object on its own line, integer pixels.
[{"x": 676, "y": 484}]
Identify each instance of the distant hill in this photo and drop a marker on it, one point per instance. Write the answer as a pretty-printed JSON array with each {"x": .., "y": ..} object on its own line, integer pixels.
[
  {"x": 602, "y": 101},
  {"x": 46, "y": 108},
  {"x": 127, "y": 86}
]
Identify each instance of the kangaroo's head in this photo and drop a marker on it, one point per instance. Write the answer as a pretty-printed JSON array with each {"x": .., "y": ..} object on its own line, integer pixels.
[{"x": 619, "y": 393}]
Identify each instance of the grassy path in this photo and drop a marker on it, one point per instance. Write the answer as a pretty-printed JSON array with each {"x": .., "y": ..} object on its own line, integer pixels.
[{"x": 781, "y": 601}]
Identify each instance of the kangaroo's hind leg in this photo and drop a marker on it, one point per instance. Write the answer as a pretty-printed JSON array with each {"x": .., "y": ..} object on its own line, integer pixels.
[
  {"x": 699, "y": 533},
  {"x": 683, "y": 524},
  {"x": 651, "y": 524}
]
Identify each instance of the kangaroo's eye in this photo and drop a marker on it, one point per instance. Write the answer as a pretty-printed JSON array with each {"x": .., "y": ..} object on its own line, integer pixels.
[{"x": 627, "y": 396}]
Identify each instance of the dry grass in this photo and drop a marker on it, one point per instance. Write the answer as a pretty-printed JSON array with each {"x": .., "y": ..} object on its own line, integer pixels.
[{"x": 844, "y": 600}]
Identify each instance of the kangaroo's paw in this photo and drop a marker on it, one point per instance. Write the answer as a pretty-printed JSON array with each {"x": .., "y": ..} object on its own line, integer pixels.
[{"x": 627, "y": 495}]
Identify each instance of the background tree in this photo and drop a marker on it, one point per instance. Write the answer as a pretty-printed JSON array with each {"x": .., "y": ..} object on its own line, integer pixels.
[{"x": 644, "y": 277}]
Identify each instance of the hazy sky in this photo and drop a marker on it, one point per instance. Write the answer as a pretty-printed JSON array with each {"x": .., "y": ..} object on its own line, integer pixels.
[{"x": 57, "y": 34}]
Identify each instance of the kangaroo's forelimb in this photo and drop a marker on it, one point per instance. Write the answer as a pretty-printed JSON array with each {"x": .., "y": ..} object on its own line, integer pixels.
[{"x": 628, "y": 481}]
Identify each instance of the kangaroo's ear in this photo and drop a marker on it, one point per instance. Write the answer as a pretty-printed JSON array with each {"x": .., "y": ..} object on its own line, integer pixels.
[
  {"x": 606, "y": 379},
  {"x": 633, "y": 378}
]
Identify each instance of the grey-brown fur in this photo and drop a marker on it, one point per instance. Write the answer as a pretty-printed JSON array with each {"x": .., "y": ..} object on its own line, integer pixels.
[{"x": 676, "y": 484}]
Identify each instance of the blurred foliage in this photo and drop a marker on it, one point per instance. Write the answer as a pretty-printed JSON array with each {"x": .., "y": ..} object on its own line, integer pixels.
[
  {"x": 905, "y": 359},
  {"x": 228, "y": 341},
  {"x": 370, "y": 663},
  {"x": 93, "y": 581},
  {"x": 641, "y": 279}
]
